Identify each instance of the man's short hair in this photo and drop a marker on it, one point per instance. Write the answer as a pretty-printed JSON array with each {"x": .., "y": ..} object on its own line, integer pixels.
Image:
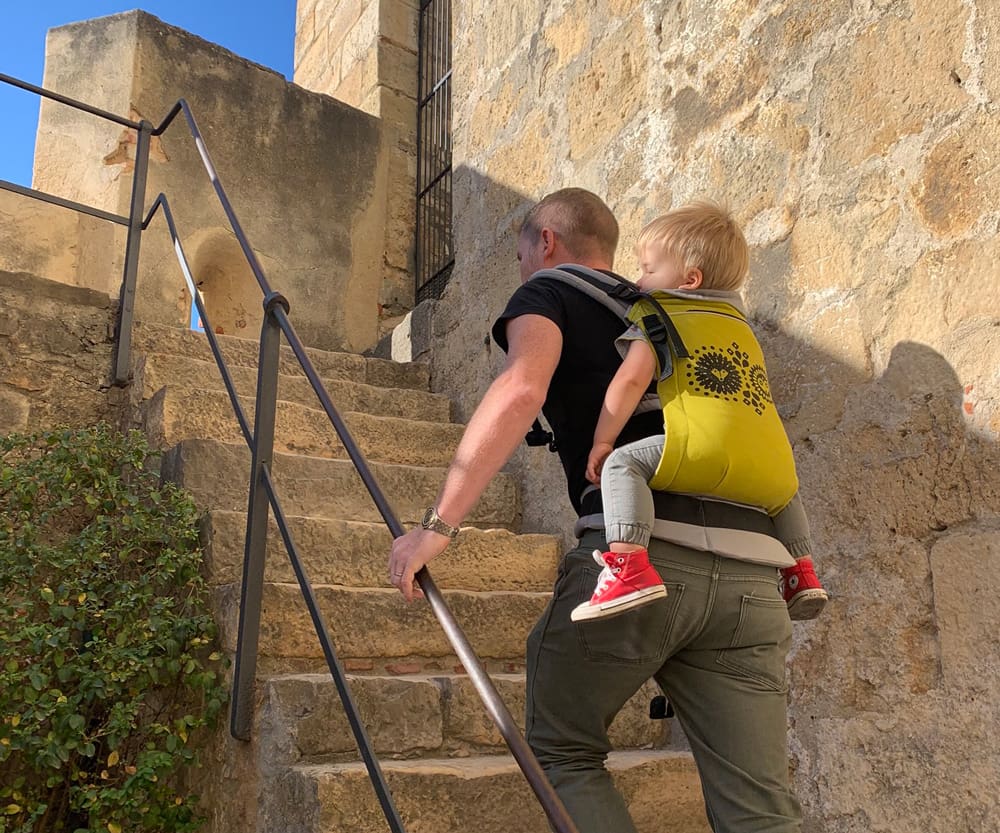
[
  {"x": 580, "y": 218},
  {"x": 702, "y": 235}
]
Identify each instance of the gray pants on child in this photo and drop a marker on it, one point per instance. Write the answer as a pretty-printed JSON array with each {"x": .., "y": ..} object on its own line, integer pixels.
[{"x": 628, "y": 501}]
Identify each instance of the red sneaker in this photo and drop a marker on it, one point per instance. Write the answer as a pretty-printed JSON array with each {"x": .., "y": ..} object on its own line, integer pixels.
[
  {"x": 627, "y": 581},
  {"x": 802, "y": 591}
]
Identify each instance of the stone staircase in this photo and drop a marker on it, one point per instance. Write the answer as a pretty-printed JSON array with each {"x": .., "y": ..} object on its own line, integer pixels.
[{"x": 446, "y": 764}]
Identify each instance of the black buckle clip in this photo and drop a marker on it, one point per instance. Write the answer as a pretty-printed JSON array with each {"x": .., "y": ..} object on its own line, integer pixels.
[
  {"x": 538, "y": 437},
  {"x": 660, "y": 708}
]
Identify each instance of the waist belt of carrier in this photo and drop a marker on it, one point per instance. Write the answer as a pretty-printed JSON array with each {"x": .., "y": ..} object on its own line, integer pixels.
[{"x": 695, "y": 511}]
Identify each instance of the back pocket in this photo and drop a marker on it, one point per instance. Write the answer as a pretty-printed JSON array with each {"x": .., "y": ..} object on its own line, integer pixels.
[
  {"x": 760, "y": 642},
  {"x": 636, "y": 637}
]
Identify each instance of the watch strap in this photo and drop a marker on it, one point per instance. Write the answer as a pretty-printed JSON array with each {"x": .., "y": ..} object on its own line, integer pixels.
[{"x": 433, "y": 522}]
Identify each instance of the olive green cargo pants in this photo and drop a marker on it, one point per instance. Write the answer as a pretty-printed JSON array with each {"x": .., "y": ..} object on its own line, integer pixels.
[{"x": 716, "y": 645}]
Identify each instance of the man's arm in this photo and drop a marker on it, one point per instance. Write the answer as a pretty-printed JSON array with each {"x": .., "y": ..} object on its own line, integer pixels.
[{"x": 496, "y": 429}]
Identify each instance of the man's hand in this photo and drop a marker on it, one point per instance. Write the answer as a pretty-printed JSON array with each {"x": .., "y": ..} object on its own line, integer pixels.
[
  {"x": 595, "y": 462},
  {"x": 410, "y": 553}
]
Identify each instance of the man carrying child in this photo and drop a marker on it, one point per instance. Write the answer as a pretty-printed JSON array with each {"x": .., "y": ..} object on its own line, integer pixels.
[{"x": 716, "y": 644}]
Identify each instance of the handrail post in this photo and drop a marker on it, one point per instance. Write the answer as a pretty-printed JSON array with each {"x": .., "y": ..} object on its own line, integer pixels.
[
  {"x": 251, "y": 598},
  {"x": 126, "y": 296}
]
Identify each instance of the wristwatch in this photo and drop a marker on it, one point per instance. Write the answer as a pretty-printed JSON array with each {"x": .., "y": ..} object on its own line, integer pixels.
[{"x": 433, "y": 522}]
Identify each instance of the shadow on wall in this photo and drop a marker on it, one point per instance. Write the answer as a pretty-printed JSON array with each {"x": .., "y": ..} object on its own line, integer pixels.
[{"x": 890, "y": 689}]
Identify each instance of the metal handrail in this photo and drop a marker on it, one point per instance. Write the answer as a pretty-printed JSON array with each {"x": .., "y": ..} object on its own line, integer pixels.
[
  {"x": 161, "y": 203},
  {"x": 262, "y": 492},
  {"x": 130, "y": 270},
  {"x": 243, "y": 705},
  {"x": 69, "y": 102},
  {"x": 62, "y": 202}
]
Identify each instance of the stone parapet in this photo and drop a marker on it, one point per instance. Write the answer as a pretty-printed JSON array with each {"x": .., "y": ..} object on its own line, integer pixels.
[
  {"x": 315, "y": 219},
  {"x": 55, "y": 355}
]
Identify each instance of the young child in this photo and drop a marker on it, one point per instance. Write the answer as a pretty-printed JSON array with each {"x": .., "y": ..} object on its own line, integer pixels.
[{"x": 723, "y": 437}]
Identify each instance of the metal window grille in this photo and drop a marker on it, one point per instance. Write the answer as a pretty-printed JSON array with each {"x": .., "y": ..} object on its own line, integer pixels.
[{"x": 435, "y": 252}]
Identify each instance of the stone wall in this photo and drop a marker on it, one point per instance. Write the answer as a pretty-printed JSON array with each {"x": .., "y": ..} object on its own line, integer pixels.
[
  {"x": 42, "y": 239},
  {"x": 307, "y": 177},
  {"x": 364, "y": 53},
  {"x": 55, "y": 355},
  {"x": 856, "y": 144}
]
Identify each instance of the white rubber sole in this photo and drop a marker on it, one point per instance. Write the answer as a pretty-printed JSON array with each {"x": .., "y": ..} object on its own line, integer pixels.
[
  {"x": 807, "y": 604},
  {"x": 586, "y": 611}
]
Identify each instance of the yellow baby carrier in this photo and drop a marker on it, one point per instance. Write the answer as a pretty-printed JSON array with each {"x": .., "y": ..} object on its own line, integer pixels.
[{"x": 724, "y": 438}]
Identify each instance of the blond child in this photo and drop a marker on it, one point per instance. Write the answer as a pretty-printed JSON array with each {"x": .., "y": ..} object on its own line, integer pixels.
[{"x": 722, "y": 438}]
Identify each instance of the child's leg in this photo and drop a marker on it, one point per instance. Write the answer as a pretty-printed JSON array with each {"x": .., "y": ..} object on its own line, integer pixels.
[
  {"x": 628, "y": 501},
  {"x": 800, "y": 586},
  {"x": 628, "y": 580}
]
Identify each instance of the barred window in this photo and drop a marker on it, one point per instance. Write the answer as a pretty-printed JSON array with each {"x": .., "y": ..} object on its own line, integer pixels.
[{"x": 435, "y": 252}]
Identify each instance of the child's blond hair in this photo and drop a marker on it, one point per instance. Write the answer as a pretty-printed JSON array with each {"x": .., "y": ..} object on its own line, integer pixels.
[{"x": 703, "y": 235}]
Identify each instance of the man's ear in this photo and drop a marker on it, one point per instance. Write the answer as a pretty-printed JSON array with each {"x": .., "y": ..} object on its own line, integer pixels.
[
  {"x": 548, "y": 239},
  {"x": 692, "y": 278}
]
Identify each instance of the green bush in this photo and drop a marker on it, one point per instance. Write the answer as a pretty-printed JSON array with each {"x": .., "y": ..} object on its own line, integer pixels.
[{"x": 106, "y": 662}]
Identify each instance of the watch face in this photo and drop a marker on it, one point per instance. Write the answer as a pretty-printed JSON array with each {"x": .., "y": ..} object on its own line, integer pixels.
[{"x": 428, "y": 515}]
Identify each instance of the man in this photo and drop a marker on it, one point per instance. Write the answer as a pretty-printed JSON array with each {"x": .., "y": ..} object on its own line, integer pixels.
[{"x": 716, "y": 645}]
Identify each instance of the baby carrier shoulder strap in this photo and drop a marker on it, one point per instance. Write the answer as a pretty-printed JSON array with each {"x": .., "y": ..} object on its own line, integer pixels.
[{"x": 618, "y": 295}]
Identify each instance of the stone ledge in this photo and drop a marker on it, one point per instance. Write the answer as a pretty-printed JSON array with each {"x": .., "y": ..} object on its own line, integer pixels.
[
  {"x": 33, "y": 286},
  {"x": 488, "y": 795},
  {"x": 437, "y": 715}
]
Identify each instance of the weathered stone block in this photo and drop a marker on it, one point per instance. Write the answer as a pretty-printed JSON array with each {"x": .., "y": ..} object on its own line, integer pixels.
[
  {"x": 892, "y": 81},
  {"x": 354, "y": 554},
  {"x": 304, "y": 718},
  {"x": 217, "y": 475},
  {"x": 175, "y": 414},
  {"x": 369, "y": 623},
  {"x": 960, "y": 182},
  {"x": 155, "y": 370},
  {"x": 965, "y": 611},
  {"x": 608, "y": 92}
]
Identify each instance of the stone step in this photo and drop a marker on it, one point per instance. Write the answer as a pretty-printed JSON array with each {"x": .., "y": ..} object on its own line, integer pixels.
[
  {"x": 242, "y": 352},
  {"x": 437, "y": 715},
  {"x": 156, "y": 370},
  {"x": 378, "y": 624},
  {"x": 217, "y": 476},
  {"x": 484, "y": 794},
  {"x": 354, "y": 554},
  {"x": 176, "y": 413}
]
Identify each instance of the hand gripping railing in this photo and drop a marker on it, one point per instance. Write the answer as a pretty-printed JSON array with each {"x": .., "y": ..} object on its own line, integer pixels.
[{"x": 263, "y": 495}]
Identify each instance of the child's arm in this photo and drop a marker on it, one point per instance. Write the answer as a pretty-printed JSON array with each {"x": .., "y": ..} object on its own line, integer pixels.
[{"x": 620, "y": 401}]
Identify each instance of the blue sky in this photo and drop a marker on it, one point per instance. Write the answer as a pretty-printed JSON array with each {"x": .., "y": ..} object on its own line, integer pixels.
[{"x": 260, "y": 30}]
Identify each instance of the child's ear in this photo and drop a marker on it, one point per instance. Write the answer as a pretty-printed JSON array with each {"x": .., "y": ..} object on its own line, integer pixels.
[{"x": 692, "y": 278}]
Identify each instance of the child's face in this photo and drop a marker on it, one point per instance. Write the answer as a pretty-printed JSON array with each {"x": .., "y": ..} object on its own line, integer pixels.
[{"x": 660, "y": 270}]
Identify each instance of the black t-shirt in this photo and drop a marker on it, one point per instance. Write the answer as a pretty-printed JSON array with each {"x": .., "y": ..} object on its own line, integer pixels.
[{"x": 588, "y": 362}]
